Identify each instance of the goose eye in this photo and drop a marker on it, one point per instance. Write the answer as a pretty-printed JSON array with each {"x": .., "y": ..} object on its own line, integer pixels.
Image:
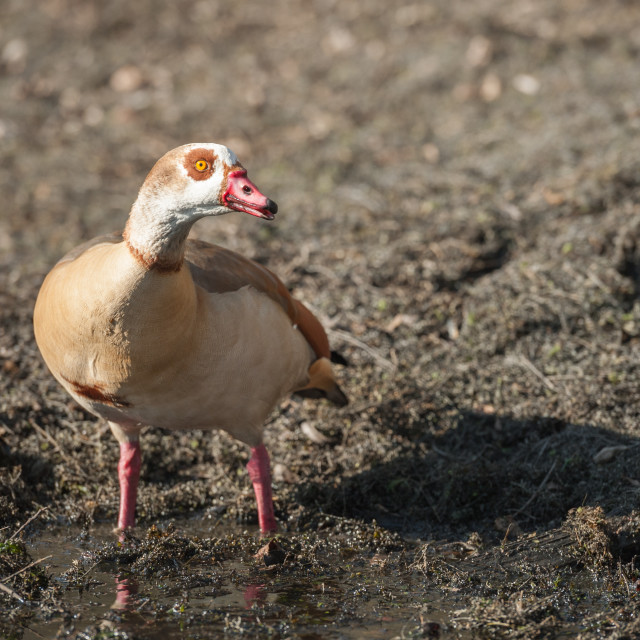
[{"x": 201, "y": 165}]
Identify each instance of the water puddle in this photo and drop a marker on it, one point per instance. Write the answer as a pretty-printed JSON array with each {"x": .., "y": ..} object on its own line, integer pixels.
[
  {"x": 222, "y": 589},
  {"x": 198, "y": 579}
]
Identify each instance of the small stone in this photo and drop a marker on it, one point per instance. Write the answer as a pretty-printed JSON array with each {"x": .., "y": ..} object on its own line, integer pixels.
[
  {"x": 607, "y": 454},
  {"x": 431, "y": 153},
  {"x": 126, "y": 79},
  {"x": 524, "y": 83},
  {"x": 9, "y": 366},
  {"x": 282, "y": 473},
  {"x": 338, "y": 40},
  {"x": 313, "y": 434},
  {"x": 14, "y": 55},
  {"x": 491, "y": 87}
]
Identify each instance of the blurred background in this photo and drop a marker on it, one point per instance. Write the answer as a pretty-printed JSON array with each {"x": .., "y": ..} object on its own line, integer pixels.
[{"x": 355, "y": 117}]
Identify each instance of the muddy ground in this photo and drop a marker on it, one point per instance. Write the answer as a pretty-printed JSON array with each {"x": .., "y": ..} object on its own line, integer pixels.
[{"x": 459, "y": 191}]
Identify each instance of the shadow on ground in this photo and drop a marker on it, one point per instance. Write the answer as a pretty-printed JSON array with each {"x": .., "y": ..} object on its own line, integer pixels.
[{"x": 521, "y": 475}]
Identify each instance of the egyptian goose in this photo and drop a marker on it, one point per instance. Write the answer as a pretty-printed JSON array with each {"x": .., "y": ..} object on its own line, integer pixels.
[{"x": 149, "y": 328}]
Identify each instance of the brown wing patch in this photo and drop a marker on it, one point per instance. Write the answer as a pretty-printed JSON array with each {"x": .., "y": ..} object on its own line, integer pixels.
[
  {"x": 96, "y": 393},
  {"x": 313, "y": 331},
  {"x": 219, "y": 270}
]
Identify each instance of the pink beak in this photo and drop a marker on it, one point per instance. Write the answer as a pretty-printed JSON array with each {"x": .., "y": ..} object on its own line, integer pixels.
[{"x": 243, "y": 195}]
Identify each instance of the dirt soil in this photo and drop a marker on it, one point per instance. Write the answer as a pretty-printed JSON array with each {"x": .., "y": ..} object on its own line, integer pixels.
[{"x": 459, "y": 192}]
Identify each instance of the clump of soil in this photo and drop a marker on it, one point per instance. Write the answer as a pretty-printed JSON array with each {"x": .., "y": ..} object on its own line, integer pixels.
[{"x": 25, "y": 582}]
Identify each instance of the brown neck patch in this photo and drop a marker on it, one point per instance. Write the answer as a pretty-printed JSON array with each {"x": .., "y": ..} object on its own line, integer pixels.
[{"x": 150, "y": 261}]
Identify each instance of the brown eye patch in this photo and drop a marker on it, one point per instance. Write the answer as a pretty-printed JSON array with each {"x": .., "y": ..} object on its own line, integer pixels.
[{"x": 200, "y": 163}]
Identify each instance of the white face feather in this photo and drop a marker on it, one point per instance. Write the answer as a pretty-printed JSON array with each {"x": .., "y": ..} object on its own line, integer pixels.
[
  {"x": 175, "y": 194},
  {"x": 193, "y": 193},
  {"x": 186, "y": 184}
]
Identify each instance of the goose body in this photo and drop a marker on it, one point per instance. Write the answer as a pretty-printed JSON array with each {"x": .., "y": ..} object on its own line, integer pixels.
[{"x": 149, "y": 328}]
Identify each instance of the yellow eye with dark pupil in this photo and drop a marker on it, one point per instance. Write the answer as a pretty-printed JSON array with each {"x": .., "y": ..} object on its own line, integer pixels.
[{"x": 202, "y": 165}]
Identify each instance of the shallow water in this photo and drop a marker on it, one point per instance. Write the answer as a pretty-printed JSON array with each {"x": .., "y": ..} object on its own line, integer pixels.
[
  {"x": 237, "y": 596},
  {"x": 330, "y": 585}
]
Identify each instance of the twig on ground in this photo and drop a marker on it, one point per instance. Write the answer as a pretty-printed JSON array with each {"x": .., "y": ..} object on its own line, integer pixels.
[
  {"x": 523, "y": 361},
  {"x": 31, "y": 564},
  {"x": 11, "y": 592},
  {"x": 537, "y": 491},
  {"x": 374, "y": 353},
  {"x": 29, "y": 521},
  {"x": 58, "y": 448}
]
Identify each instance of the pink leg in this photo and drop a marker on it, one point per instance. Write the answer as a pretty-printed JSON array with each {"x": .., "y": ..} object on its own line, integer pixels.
[
  {"x": 255, "y": 594},
  {"x": 260, "y": 474},
  {"x": 128, "y": 474},
  {"x": 125, "y": 588}
]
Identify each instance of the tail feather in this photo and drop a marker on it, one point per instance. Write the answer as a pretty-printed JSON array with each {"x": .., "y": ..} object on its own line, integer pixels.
[
  {"x": 322, "y": 384},
  {"x": 338, "y": 358}
]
